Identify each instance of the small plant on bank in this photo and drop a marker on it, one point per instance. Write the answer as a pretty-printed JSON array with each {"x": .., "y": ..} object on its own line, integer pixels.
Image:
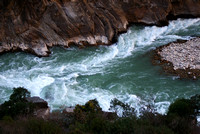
[
  {"x": 91, "y": 106},
  {"x": 117, "y": 106},
  {"x": 82, "y": 112}
]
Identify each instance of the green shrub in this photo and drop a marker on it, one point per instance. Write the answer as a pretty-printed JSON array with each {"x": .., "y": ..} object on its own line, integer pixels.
[
  {"x": 127, "y": 110},
  {"x": 17, "y": 105},
  {"x": 89, "y": 110},
  {"x": 181, "y": 116},
  {"x": 90, "y": 106},
  {"x": 181, "y": 107},
  {"x": 19, "y": 94},
  {"x": 96, "y": 123}
]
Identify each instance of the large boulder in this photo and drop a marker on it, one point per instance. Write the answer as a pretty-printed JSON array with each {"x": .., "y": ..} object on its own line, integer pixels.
[{"x": 41, "y": 106}]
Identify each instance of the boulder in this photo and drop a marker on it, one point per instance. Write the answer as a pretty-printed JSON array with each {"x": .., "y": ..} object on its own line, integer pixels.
[
  {"x": 38, "y": 102},
  {"x": 41, "y": 106}
]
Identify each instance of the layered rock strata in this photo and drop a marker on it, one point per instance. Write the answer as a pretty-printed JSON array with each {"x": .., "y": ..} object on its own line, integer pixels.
[
  {"x": 181, "y": 58},
  {"x": 35, "y": 25}
]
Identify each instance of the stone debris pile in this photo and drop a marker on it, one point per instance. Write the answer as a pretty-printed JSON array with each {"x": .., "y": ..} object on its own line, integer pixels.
[{"x": 182, "y": 55}]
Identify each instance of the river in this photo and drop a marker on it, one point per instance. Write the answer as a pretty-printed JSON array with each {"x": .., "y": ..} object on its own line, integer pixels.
[{"x": 123, "y": 71}]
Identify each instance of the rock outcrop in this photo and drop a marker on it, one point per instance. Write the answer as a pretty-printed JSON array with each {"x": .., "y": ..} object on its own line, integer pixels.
[
  {"x": 35, "y": 25},
  {"x": 41, "y": 106},
  {"x": 181, "y": 58}
]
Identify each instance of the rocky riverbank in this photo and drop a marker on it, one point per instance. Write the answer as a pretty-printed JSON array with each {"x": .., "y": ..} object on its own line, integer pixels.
[
  {"x": 34, "y": 26},
  {"x": 181, "y": 58}
]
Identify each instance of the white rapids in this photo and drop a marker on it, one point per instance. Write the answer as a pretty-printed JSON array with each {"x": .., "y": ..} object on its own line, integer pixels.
[{"x": 73, "y": 76}]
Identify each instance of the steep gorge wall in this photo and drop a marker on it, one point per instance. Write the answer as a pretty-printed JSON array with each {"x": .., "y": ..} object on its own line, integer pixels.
[{"x": 35, "y": 25}]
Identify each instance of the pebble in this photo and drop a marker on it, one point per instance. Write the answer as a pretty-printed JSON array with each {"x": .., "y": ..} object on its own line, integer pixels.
[{"x": 189, "y": 72}]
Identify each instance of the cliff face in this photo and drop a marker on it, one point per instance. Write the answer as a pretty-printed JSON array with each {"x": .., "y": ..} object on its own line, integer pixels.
[{"x": 36, "y": 25}]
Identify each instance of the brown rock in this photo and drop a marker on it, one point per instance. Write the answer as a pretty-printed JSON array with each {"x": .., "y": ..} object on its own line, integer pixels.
[
  {"x": 185, "y": 7},
  {"x": 41, "y": 106},
  {"x": 38, "y": 102},
  {"x": 35, "y": 25}
]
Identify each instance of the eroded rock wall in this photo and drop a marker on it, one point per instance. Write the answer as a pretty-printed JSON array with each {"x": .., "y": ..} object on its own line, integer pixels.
[{"x": 36, "y": 25}]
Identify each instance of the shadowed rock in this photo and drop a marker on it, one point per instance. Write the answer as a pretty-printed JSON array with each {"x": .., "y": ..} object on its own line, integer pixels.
[
  {"x": 38, "y": 102},
  {"x": 41, "y": 106},
  {"x": 35, "y": 25}
]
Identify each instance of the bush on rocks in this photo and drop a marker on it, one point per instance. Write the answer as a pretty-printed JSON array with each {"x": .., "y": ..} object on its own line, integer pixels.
[
  {"x": 181, "y": 107},
  {"x": 17, "y": 105}
]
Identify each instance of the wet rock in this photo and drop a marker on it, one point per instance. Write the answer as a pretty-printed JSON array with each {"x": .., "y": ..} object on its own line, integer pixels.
[{"x": 35, "y": 25}]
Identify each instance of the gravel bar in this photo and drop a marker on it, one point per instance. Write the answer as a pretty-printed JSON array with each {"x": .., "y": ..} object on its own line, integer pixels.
[{"x": 181, "y": 58}]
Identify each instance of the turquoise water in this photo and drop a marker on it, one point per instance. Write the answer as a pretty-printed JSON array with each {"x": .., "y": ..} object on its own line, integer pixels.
[{"x": 122, "y": 70}]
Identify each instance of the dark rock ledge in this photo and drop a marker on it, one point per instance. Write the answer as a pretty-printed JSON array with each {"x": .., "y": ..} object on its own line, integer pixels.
[
  {"x": 41, "y": 106},
  {"x": 35, "y": 25},
  {"x": 181, "y": 58}
]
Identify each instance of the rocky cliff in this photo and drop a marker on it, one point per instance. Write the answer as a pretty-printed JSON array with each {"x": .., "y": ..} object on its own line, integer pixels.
[{"x": 35, "y": 25}]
